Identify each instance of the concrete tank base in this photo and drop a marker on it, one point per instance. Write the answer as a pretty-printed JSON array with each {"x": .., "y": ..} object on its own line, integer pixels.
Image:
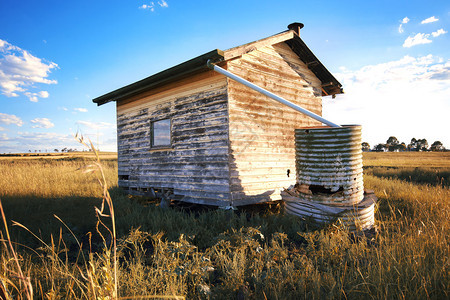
[{"x": 359, "y": 216}]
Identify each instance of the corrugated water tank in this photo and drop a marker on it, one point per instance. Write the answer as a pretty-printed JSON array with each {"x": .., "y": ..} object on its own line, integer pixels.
[{"x": 330, "y": 177}]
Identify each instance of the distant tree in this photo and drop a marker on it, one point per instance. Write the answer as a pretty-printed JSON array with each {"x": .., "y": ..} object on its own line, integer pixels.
[
  {"x": 64, "y": 149},
  {"x": 392, "y": 143},
  {"x": 29, "y": 151},
  {"x": 422, "y": 145},
  {"x": 365, "y": 146},
  {"x": 380, "y": 148},
  {"x": 401, "y": 147},
  {"x": 412, "y": 146},
  {"x": 437, "y": 146},
  {"x": 56, "y": 150},
  {"x": 392, "y": 140}
]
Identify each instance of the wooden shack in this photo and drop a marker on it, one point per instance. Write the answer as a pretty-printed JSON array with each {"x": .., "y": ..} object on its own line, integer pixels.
[{"x": 203, "y": 138}]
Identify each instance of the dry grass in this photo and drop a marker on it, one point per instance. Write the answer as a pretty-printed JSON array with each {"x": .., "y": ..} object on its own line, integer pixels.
[
  {"x": 52, "y": 178},
  {"x": 213, "y": 254},
  {"x": 64, "y": 155},
  {"x": 407, "y": 159}
]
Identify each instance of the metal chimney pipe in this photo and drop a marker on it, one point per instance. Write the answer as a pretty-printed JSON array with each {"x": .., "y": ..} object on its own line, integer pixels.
[{"x": 296, "y": 27}]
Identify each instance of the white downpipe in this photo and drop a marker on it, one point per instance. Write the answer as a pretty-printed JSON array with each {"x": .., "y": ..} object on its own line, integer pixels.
[{"x": 270, "y": 94}]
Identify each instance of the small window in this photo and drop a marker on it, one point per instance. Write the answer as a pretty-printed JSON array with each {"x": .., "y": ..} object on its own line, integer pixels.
[{"x": 160, "y": 133}]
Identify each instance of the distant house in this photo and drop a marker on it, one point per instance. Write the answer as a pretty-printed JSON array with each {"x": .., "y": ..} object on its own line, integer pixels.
[{"x": 203, "y": 138}]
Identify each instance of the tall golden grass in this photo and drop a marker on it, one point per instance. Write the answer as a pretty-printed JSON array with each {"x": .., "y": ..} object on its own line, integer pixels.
[{"x": 254, "y": 253}]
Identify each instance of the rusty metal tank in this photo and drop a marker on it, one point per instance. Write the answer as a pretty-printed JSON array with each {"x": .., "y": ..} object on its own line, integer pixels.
[{"x": 330, "y": 177}]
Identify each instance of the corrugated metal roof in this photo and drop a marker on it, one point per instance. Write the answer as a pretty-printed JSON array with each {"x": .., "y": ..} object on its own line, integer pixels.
[
  {"x": 330, "y": 85},
  {"x": 183, "y": 70}
]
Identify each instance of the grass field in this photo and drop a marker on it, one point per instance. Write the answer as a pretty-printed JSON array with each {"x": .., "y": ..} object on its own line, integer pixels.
[{"x": 256, "y": 252}]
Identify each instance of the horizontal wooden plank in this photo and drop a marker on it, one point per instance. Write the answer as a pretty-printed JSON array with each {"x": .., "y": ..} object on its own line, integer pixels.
[
  {"x": 192, "y": 192},
  {"x": 282, "y": 52},
  {"x": 219, "y": 142},
  {"x": 213, "y": 136},
  {"x": 286, "y": 74},
  {"x": 195, "y": 84},
  {"x": 200, "y": 123},
  {"x": 185, "y": 175},
  {"x": 204, "y": 200},
  {"x": 151, "y": 165},
  {"x": 201, "y": 131},
  {"x": 221, "y": 112},
  {"x": 207, "y": 183},
  {"x": 252, "y": 180},
  {"x": 249, "y": 98},
  {"x": 294, "y": 120},
  {"x": 214, "y": 189},
  {"x": 140, "y": 158},
  {"x": 263, "y": 171}
]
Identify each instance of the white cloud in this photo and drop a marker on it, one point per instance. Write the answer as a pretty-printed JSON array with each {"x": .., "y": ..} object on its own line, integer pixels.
[
  {"x": 422, "y": 38},
  {"x": 10, "y": 119},
  {"x": 95, "y": 125},
  {"x": 404, "y": 21},
  {"x": 63, "y": 108},
  {"x": 42, "y": 123},
  {"x": 80, "y": 109},
  {"x": 418, "y": 39},
  {"x": 163, "y": 3},
  {"x": 406, "y": 98},
  {"x": 4, "y": 137},
  {"x": 429, "y": 20},
  {"x": 2, "y": 129},
  {"x": 25, "y": 141},
  {"x": 20, "y": 70},
  {"x": 43, "y": 94},
  {"x": 34, "y": 96},
  {"x": 438, "y": 32},
  {"x": 151, "y": 5}
]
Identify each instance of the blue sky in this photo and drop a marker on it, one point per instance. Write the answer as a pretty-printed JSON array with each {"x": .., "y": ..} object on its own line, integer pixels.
[{"x": 392, "y": 58}]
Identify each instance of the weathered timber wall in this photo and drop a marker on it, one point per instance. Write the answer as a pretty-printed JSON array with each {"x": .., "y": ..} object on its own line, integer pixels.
[
  {"x": 197, "y": 164},
  {"x": 262, "y": 143}
]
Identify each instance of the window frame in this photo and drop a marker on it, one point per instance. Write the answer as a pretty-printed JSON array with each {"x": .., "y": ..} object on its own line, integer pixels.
[{"x": 152, "y": 135}]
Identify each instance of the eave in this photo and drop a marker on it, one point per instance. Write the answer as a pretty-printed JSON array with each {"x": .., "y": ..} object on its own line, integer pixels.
[{"x": 330, "y": 85}]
